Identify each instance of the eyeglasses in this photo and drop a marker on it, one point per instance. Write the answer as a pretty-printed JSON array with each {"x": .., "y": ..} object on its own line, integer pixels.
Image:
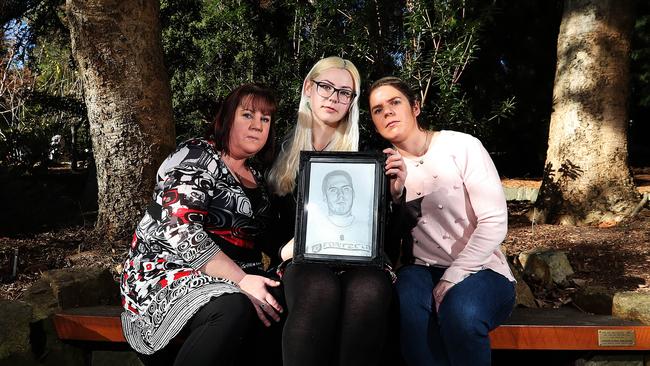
[{"x": 326, "y": 90}]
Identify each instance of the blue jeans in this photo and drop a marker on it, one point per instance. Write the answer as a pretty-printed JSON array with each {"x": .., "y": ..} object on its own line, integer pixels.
[{"x": 458, "y": 334}]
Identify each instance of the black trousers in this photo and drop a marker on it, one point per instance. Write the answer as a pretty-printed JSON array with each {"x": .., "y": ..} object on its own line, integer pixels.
[{"x": 225, "y": 331}]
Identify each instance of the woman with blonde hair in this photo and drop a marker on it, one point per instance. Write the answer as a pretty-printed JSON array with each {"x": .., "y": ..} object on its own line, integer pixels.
[
  {"x": 320, "y": 129},
  {"x": 334, "y": 317}
]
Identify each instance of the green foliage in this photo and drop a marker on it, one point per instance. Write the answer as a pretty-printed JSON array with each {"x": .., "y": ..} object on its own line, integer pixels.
[
  {"x": 46, "y": 103},
  {"x": 212, "y": 46},
  {"x": 40, "y": 96},
  {"x": 365, "y": 32},
  {"x": 441, "y": 39}
]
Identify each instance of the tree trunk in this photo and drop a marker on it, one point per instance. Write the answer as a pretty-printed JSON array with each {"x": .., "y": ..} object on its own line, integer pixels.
[
  {"x": 117, "y": 45},
  {"x": 586, "y": 177}
]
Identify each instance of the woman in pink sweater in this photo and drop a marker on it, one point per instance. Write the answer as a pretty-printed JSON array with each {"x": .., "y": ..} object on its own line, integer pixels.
[{"x": 455, "y": 285}]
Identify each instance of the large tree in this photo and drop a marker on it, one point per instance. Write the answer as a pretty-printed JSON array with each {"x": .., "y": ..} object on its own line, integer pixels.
[
  {"x": 117, "y": 46},
  {"x": 586, "y": 177}
]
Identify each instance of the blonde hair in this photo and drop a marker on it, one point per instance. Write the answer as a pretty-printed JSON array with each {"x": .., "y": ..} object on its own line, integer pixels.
[{"x": 282, "y": 176}]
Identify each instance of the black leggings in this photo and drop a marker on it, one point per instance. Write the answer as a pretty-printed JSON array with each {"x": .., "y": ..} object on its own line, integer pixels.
[{"x": 333, "y": 318}]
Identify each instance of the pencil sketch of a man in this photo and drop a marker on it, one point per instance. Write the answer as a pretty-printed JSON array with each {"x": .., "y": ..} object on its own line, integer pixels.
[
  {"x": 340, "y": 233},
  {"x": 339, "y": 196}
]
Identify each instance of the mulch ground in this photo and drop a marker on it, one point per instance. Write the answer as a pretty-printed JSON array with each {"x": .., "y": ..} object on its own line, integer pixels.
[{"x": 617, "y": 258}]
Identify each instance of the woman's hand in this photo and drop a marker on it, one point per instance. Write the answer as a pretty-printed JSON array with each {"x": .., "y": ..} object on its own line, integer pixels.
[
  {"x": 396, "y": 171},
  {"x": 220, "y": 265},
  {"x": 440, "y": 291},
  {"x": 264, "y": 303}
]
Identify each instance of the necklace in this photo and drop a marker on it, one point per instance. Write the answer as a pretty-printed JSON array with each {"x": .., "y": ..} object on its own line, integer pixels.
[
  {"x": 240, "y": 177},
  {"x": 324, "y": 147},
  {"x": 420, "y": 156}
]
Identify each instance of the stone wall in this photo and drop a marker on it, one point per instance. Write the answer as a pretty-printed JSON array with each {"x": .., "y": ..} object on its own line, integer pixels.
[{"x": 27, "y": 334}]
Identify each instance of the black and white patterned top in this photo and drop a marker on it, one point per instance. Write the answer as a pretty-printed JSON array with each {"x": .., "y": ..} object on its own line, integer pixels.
[{"x": 198, "y": 209}]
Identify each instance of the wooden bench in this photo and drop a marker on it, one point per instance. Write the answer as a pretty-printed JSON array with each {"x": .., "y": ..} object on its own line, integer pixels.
[
  {"x": 527, "y": 329},
  {"x": 570, "y": 330}
]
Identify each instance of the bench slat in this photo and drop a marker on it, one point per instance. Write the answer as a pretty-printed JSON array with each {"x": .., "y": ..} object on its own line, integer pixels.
[
  {"x": 528, "y": 329},
  {"x": 105, "y": 328},
  {"x": 570, "y": 338}
]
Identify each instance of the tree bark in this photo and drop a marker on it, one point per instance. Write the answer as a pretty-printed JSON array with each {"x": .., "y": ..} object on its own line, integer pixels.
[
  {"x": 586, "y": 176},
  {"x": 117, "y": 45}
]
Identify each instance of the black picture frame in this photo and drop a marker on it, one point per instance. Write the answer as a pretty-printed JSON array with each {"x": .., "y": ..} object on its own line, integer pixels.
[{"x": 331, "y": 228}]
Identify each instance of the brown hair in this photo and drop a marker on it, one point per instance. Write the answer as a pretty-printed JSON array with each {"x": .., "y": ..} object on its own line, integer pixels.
[
  {"x": 255, "y": 97},
  {"x": 402, "y": 87}
]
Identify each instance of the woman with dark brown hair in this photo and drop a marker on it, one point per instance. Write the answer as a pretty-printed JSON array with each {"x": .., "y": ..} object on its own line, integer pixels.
[
  {"x": 455, "y": 284},
  {"x": 194, "y": 264}
]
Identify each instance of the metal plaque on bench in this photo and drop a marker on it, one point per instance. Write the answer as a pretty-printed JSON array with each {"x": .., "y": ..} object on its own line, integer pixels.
[{"x": 616, "y": 338}]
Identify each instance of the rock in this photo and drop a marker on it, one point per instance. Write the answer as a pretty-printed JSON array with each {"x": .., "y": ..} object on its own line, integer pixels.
[
  {"x": 524, "y": 296},
  {"x": 535, "y": 268},
  {"x": 61, "y": 289},
  {"x": 594, "y": 299},
  {"x": 41, "y": 297},
  {"x": 14, "y": 328},
  {"x": 71, "y": 287},
  {"x": 521, "y": 193},
  {"x": 579, "y": 282},
  {"x": 559, "y": 265},
  {"x": 83, "y": 257},
  {"x": 626, "y": 359},
  {"x": 567, "y": 220},
  {"x": 632, "y": 305},
  {"x": 546, "y": 265},
  {"x": 83, "y": 287}
]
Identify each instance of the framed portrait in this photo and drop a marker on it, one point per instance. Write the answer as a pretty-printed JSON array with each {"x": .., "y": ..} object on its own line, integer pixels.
[{"x": 341, "y": 209}]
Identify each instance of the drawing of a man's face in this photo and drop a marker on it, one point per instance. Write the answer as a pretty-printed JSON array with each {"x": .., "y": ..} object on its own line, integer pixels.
[{"x": 339, "y": 193}]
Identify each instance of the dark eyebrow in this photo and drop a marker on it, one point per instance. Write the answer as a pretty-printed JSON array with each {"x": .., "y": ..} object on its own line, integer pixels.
[
  {"x": 264, "y": 114},
  {"x": 389, "y": 100},
  {"x": 334, "y": 85}
]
